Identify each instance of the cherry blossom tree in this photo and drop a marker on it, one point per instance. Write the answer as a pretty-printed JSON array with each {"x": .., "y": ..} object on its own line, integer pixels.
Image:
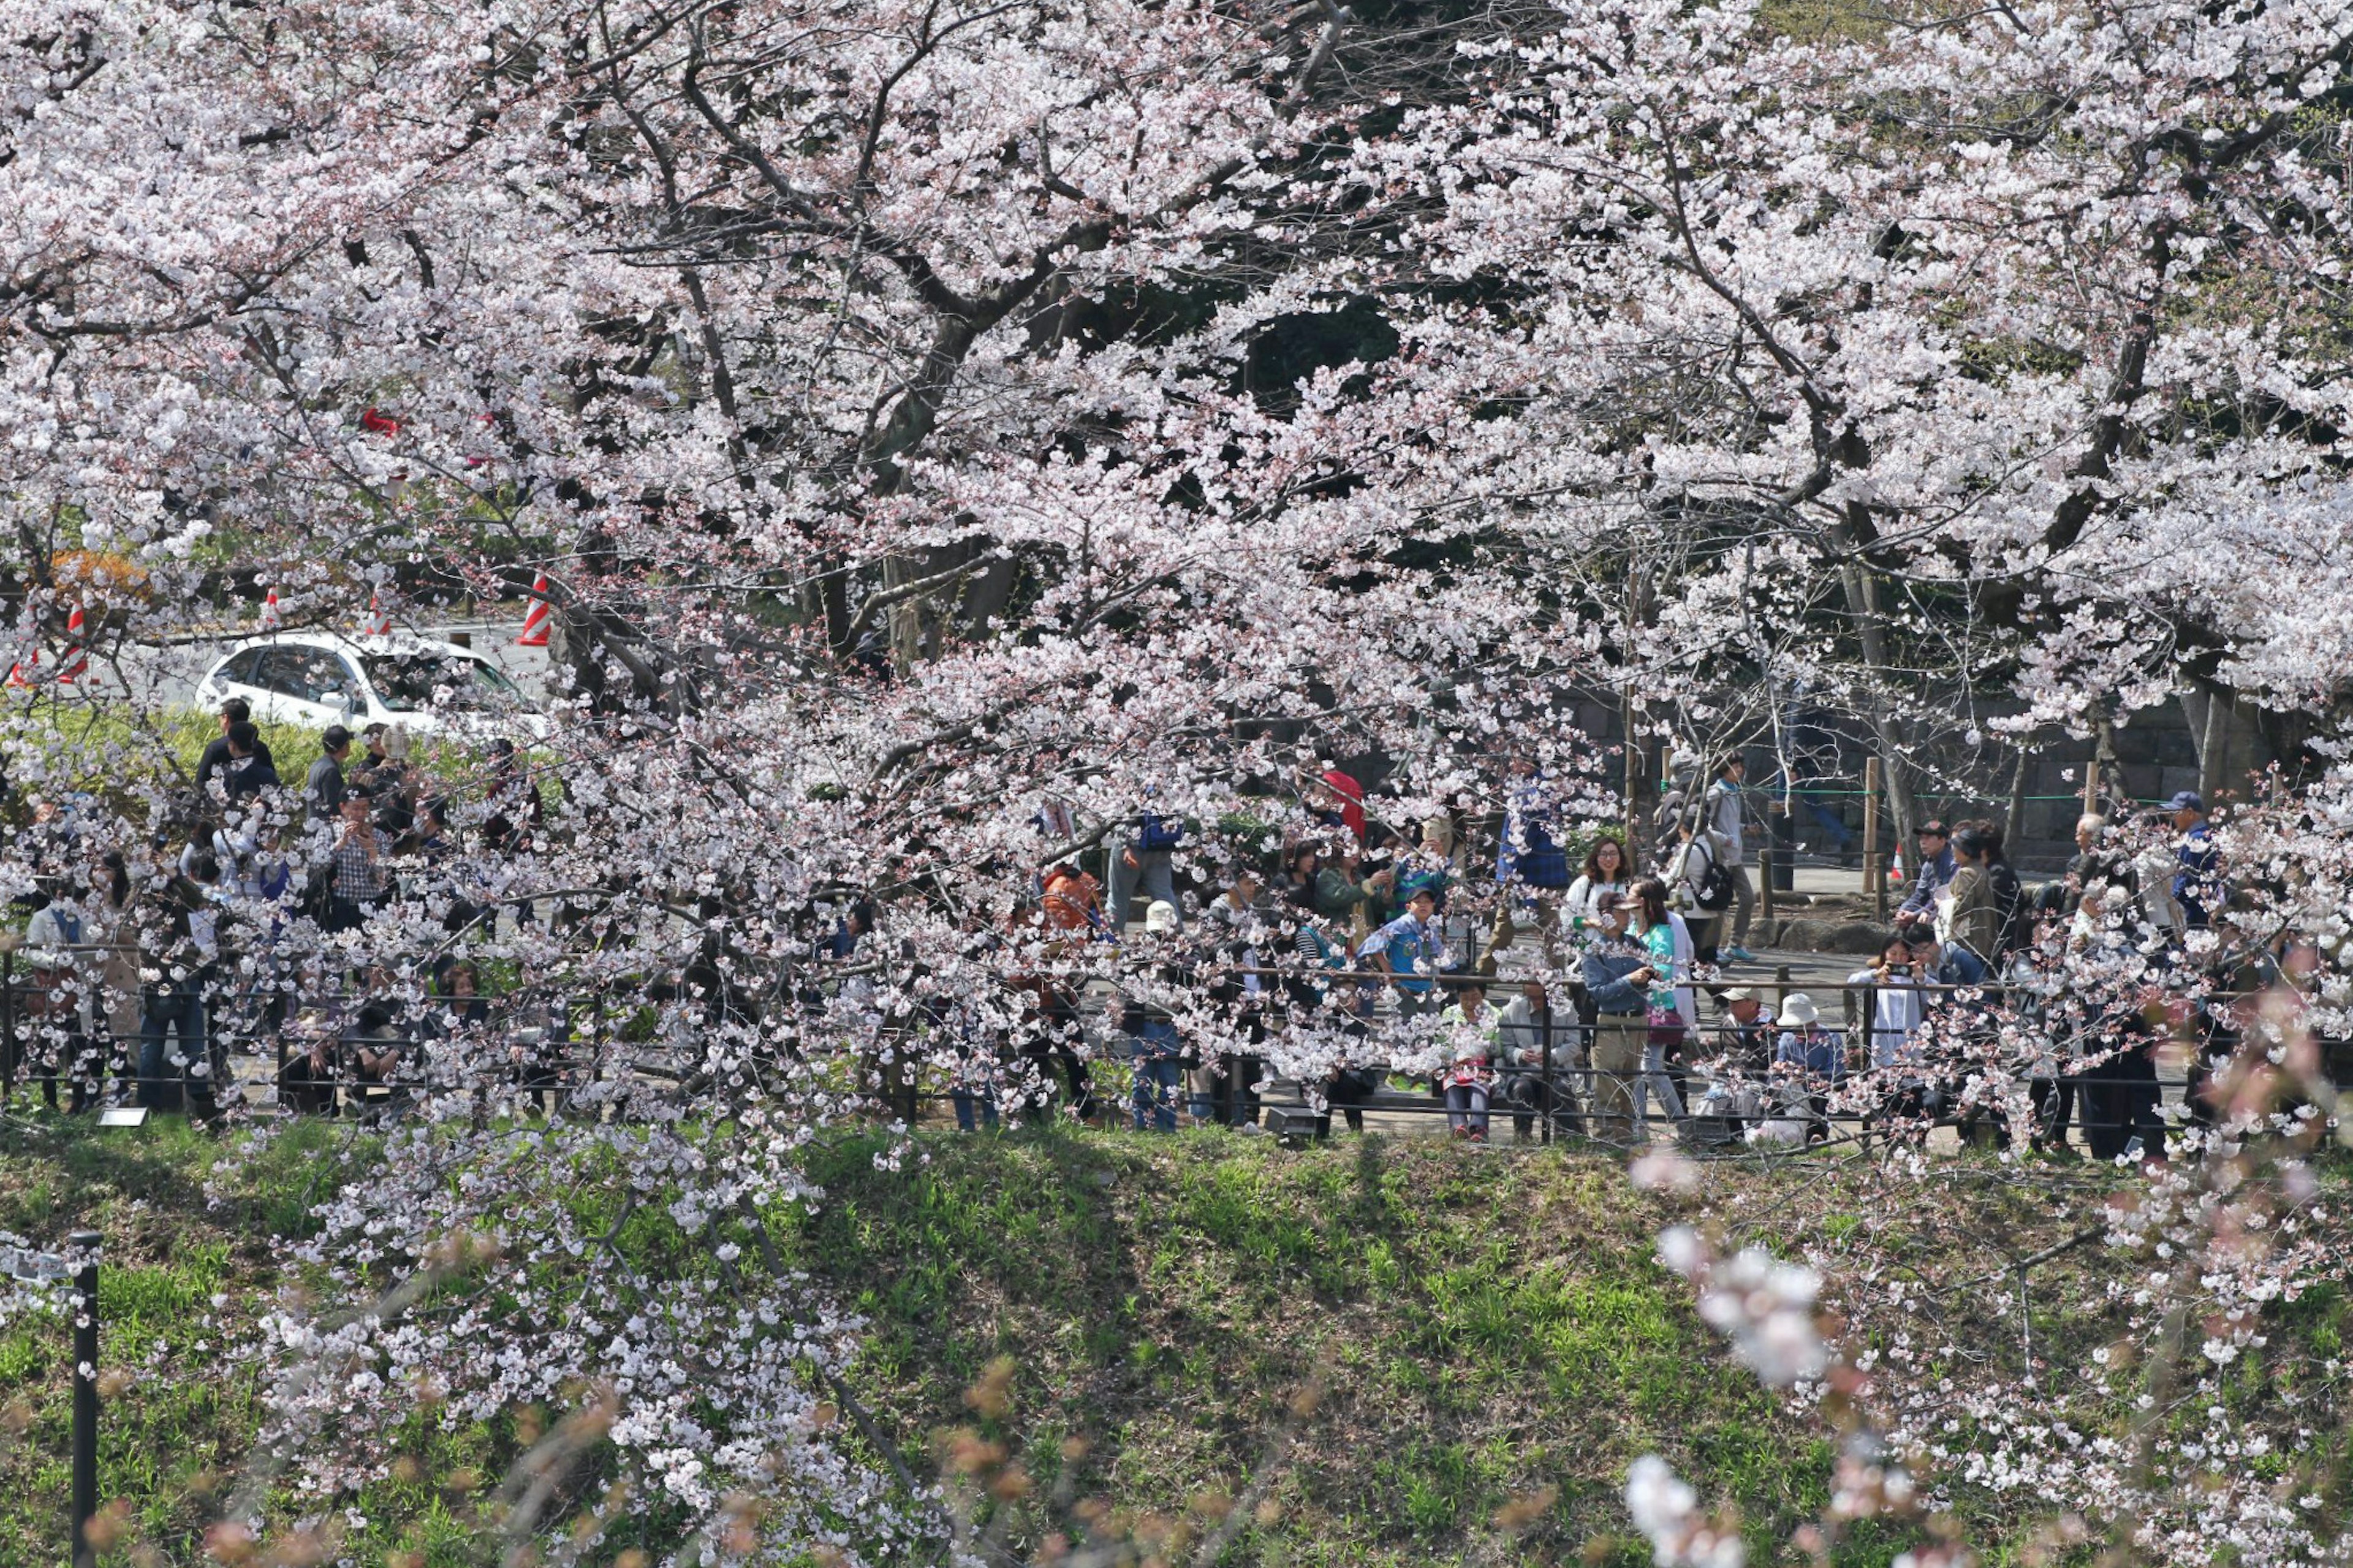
[{"x": 927, "y": 418}]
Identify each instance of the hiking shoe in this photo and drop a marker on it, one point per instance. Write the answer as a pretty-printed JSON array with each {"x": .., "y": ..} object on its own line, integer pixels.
[{"x": 1735, "y": 955}]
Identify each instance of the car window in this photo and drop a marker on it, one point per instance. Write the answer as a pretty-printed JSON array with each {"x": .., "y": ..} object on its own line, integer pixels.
[
  {"x": 309, "y": 674},
  {"x": 279, "y": 671},
  {"x": 405, "y": 682},
  {"x": 243, "y": 666}
]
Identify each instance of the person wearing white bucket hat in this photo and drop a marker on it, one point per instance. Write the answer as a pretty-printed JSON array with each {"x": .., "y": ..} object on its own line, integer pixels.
[{"x": 1810, "y": 1060}]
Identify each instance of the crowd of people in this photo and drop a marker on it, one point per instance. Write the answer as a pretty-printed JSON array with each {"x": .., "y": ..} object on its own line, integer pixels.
[
  {"x": 1574, "y": 984},
  {"x": 143, "y": 963},
  {"x": 1365, "y": 965}
]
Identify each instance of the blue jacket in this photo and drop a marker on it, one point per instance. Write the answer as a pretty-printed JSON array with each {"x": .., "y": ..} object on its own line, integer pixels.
[
  {"x": 1934, "y": 876},
  {"x": 1821, "y": 1056},
  {"x": 1606, "y": 982},
  {"x": 1960, "y": 967},
  {"x": 2195, "y": 886}
]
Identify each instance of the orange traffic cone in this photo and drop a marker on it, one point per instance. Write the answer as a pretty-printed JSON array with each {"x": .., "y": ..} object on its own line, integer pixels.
[
  {"x": 270, "y": 613},
  {"x": 535, "y": 620},
  {"x": 75, "y": 662},
  {"x": 1896, "y": 867},
  {"x": 379, "y": 619},
  {"x": 17, "y": 670}
]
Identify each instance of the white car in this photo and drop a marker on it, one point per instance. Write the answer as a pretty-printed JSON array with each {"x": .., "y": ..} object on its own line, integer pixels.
[{"x": 316, "y": 679}]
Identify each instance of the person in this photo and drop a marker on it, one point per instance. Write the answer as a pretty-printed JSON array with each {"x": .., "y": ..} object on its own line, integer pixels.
[
  {"x": 214, "y": 762},
  {"x": 1675, "y": 804},
  {"x": 1409, "y": 953},
  {"x": 428, "y": 835},
  {"x": 1151, "y": 1028},
  {"x": 1941, "y": 964},
  {"x": 1342, "y": 893},
  {"x": 360, "y": 772},
  {"x": 1808, "y": 1065},
  {"x": 391, "y": 780},
  {"x": 1686, "y": 953},
  {"x": 2197, "y": 880},
  {"x": 1600, "y": 885},
  {"x": 179, "y": 941},
  {"x": 1071, "y": 901},
  {"x": 307, "y": 1083},
  {"x": 1973, "y": 914},
  {"x": 1898, "y": 1003},
  {"x": 249, "y": 769},
  {"x": 1538, "y": 1047},
  {"x": 1142, "y": 858},
  {"x": 1468, "y": 1027},
  {"x": 1348, "y": 1084},
  {"x": 1745, "y": 1029},
  {"x": 1929, "y": 882},
  {"x": 2014, "y": 923},
  {"x": 1530, "y": 865},
  {"x": 1699, "y": 888},
  {"x": 2118, "y": 1094},
  {"x": 359, "y": 878},
  {"x": 513, "y": 798},
  {"x": 2092, "y": 862},
  {"x": 377, "y": 1050},
  {"x": 1337, "y": 800},
  {"x": 1230, "y": 1088},
  {"x": 60, "y": 995},
  {"x": 1649, "y": 926},
  {"x": 1725, "y": 821},
  {"x": 1430, "y": 865},
  {"x": 323, "y": 789},
  {"x": 1618, "y": 978}
]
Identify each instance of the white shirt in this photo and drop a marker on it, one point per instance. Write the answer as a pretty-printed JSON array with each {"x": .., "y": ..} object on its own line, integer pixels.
[
  {"x": 1896, "y": 1012},
  {"x": 1585, "y": 900},
  {"x": 1686, "y": 998}
]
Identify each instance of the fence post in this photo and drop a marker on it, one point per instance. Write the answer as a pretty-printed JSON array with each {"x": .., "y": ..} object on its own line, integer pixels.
[
  {"x": 85, "y": 1397},
  {"x": 1873, "y": 872},
  {"x": 1765, "y": 859},
  {"x": 7, "y": 1025}
]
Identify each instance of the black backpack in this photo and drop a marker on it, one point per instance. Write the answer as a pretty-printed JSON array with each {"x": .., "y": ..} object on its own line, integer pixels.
[{"x": 1714, "y": 891}]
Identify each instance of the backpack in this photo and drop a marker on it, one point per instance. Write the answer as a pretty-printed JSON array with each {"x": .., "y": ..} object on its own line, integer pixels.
[
  {"x": 1714, "y": 891},
  {"x": 1158, "y": 833}
]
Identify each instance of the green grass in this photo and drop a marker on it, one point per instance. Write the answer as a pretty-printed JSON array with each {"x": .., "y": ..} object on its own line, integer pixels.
[{"x": 1478, "y": 1334}]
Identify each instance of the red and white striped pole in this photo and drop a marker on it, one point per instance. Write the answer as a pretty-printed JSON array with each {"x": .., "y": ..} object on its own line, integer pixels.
[
  {"x": 75, "y": 662},
  {"x": 535, "y": 620}
]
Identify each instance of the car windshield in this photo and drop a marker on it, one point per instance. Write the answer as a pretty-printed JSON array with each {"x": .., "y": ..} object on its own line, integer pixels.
[{"x": 405, "y": 682}]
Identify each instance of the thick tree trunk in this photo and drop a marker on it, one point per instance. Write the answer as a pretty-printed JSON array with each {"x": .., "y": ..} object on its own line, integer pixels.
[
  {"x": 2208, "y": 713},
  {"x": 1887, "y": 734}
]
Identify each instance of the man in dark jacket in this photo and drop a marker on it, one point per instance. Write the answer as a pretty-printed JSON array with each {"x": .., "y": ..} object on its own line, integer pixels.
[
  {"x": 215, "y": 763},
  {"x": 249, "y": 769},
  {"x": 324, "y": 790}
]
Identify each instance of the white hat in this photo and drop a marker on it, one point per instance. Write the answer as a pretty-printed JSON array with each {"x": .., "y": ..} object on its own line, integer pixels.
[
  {"x": 1160, "y": 917},
  {"x": 1799, "y": 1008},
  {"x": 1732, "y": 993}
]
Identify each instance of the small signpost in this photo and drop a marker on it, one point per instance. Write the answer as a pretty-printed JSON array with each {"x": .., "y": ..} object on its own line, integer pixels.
[{"x": 47, "y": 1268}]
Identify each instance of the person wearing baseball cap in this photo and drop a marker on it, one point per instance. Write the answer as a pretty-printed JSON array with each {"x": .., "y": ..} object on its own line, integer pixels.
[
  {"x": 1745, "y": 1027},
  {"x": 1938, "y": 868},
  {"x": 2197, "y": 881}
]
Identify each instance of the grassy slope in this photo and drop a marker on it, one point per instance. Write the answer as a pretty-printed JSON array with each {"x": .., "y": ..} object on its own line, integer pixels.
[{"x": 1485, "y": 1326}]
